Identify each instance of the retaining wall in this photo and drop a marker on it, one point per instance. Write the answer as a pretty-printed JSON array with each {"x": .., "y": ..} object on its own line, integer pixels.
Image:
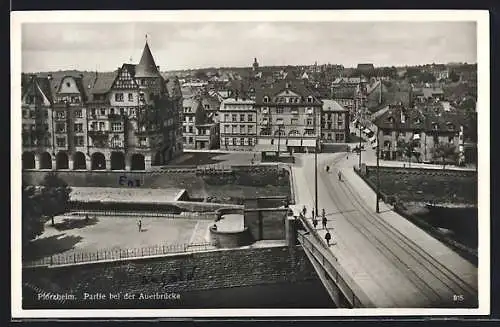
[{"x": 185, "y": 274}]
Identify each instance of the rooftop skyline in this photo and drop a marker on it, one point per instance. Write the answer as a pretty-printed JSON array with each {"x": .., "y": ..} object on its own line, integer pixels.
[{"x": 191, "y": 45}]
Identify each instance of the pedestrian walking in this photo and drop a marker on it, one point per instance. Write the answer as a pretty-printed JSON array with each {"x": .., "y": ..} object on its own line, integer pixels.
[
  {"x": 328, "y": 237},
  {"x": 340, "y": 176},
  {"x": 323, "y": 222},
  {"x": 315, "y": 222},
  {"x": 327, "y": 168},
  {"x": 304, "y": 210},
  {"x": 139, "y": 225},
  {"x": 323, "y": 213}
]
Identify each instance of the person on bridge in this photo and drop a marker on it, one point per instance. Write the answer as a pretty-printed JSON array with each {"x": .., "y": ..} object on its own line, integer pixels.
[
  {"x": 315, "y": 222},
  {"x": 139, "y": 225},
  {"x": 340, "y": 176},
  {"x": 304, "y": 211},
  {"x": 324, "y": 221},
  {"x": 323, "y": 213},
  {"x": 328, "y": 237},
  {"x": 327, "y": 168}
]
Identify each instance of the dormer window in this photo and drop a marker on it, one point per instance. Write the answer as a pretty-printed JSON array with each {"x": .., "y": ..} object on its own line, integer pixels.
[
  {"x": 309, "y": 99},
  {"x": 266, "y": 99},
  {"x": 417, "y": 121},
  {"x": 391, "y": 120},
  {"x": 68, "y": 84}
]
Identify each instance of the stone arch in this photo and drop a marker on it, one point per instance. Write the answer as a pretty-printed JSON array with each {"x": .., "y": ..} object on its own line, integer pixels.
[
  {"x": 98, "y": 161},
  {"x": 45, "y": 160},
  {"x": 137, "y": 162},
  {"x": 28, "y": 160},
  {"x": 79, "y": 161},
  {"x": 62, "y": 160},
  {"x": 158, "y": 159},
  {"x": 117, "y": 160}
]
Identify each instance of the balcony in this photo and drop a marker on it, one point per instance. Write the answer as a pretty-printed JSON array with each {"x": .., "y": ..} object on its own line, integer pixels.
[{"x": 97, "y": 133}]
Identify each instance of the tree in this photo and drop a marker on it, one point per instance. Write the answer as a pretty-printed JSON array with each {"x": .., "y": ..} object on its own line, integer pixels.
[
  {"x": 200, "y": 75},
  {"x": 55, "y": 194},
  {"x": 32, "y": 216},
  {"x": 406, "y": 149},
  {"x": 454, "y": 76},
  {"x": 445, "y": 152}
]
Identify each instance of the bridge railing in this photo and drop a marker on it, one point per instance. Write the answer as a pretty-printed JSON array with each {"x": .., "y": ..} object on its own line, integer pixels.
[
  {"x": 322, "y": 253},
  {"x": 119, "y": 254}
]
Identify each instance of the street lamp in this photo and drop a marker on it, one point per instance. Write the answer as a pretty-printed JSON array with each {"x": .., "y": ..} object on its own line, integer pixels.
[
  {"x": 316, "y": 174},
  {"x": 377, "y": 209}
]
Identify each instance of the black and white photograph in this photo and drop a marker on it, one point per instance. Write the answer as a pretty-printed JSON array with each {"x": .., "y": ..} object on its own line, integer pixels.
[{"x": 250, "y": 163}]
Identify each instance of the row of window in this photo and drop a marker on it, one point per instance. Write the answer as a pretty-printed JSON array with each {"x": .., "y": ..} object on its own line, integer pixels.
[
  {"x": 339, "y": 137},
  {"x": 309, "y": 99},
  {"x": 234, "y": 117},
  {"x": 244, "y": 129},
  {"x": 237, "y": 141},
  {"x": 190, "y": 129},
  {"x": 295, "y": 133},
  {"x": 293, "y": 121},
  {"x": 286, "y": 110}
]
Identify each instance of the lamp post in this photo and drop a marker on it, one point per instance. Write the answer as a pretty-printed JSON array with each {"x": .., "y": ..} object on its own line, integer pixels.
[
  {"x": 377, "y": 209},
  {"x": 316, "y": 175}
]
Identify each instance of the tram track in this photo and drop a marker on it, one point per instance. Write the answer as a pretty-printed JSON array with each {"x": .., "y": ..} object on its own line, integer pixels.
[
  {"x": 443, "y": 274},
  {"x": 438, "y": 283}
]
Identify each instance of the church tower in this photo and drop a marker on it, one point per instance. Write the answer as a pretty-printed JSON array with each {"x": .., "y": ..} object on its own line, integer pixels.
[{"x": 255, "y": 65}]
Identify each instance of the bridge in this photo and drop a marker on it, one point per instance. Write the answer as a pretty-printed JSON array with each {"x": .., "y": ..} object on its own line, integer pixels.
[{"x": 375, "y": 260}]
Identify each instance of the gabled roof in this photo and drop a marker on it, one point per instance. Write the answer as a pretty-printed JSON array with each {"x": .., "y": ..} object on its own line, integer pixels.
[
  {"x": 426, "y": 120},
  {"x": 147, "y": 66},
  {"x": 344, "y": 92},
  {"x": 332, "y": 105},
  {"x": 36, "y": 84},
  {"x": 296, "y": 86},
  {"x": 103, "y": 82}
]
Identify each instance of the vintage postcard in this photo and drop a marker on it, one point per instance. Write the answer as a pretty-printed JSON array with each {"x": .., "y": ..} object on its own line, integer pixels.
[{"x": 250, "y": 163}]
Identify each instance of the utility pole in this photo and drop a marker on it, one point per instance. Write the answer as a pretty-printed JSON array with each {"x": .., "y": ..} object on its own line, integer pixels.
[
  {"x": 377, "y": 209},
  {"x": 359, "y": 126},
  {"x": 316, "y": 175},
  {"x": 279, "y": 139}
]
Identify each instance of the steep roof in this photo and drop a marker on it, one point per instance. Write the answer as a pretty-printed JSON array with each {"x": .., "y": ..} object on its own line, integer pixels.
[
  {"x": 296, "y": 86},
  {"x": 427, "y": 119},
  {"x": 36, "y": 84},
  {"x": 103, "y": 82},
  {"x": 147, "y": 66},
  {"x": 332, "y": 105}
]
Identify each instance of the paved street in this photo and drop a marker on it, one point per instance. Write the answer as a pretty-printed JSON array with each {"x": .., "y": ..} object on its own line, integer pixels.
[{"x": 380, "y": 250}]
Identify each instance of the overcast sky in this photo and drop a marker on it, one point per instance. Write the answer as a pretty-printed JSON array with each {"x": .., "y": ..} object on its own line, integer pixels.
[{"x": 90, "y": 46}]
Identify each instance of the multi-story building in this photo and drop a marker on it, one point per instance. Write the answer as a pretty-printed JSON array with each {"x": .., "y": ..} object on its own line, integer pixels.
[
  {"x": 127, "y": 122},
  {"x": 37, "y": 124},
  {"x": 191, "y": 108},
  {"x": 238, "y": 123},
  {"x": 334, "y": 122},
  {"x": 424, "y": 130},
  {"x": 288, "y": 118}
]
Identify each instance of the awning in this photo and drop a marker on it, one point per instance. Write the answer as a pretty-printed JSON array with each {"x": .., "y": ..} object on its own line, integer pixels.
[
  {"x": 309, "y": 143},
  {"x": 294, "y": 142},
  {"x": 416, "y": 136},
  {"x": 266, "y": 147}
]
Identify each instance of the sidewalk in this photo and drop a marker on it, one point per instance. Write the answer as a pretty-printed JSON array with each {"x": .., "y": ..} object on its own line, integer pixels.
[
  {"x": 440, "y": 252},
  {"x": 358, "y": 257}
]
